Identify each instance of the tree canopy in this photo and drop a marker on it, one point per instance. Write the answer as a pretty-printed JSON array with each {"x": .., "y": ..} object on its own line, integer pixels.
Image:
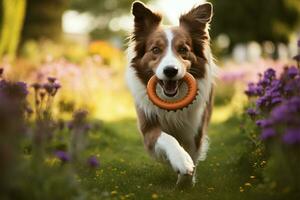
[
  {"x": 104, "y": 10},
  {"x": 258, "y": 20}
]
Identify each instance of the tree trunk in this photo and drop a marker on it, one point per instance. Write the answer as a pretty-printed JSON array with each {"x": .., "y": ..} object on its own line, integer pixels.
[
  {"x": 11, "y": 26},
  {"x": 44, "y": 19}
]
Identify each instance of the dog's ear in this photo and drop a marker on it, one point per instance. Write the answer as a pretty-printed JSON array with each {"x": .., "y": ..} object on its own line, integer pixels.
[
  {"x": 198, "y": 16},
  {"x": 144, "y": 19},
  {"x": 195, "y": 22}
]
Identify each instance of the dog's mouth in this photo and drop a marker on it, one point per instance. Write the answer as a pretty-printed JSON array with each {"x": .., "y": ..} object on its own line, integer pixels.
[{"x": 170, "y": 87}]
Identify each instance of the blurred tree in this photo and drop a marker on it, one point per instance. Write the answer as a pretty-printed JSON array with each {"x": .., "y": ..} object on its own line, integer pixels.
[
  {"x": 102, "y": 7},
  {"x": 44, "y": 19},
  {"x": 1, "y": 13},
  {"x": 11, "y": 16},
  {"x": 104, "y": 11},
  {"x": 258, "y": 20}
]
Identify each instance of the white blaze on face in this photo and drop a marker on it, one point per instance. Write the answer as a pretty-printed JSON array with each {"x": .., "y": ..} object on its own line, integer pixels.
[{"x": 170, "y": 59}]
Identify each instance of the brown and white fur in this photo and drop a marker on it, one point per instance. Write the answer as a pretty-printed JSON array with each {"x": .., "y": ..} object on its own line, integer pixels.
[{"x": 177, "y": 137}]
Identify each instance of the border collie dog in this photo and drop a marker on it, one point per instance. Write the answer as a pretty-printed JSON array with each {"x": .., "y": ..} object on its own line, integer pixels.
[{"x": 176, "y": 137}]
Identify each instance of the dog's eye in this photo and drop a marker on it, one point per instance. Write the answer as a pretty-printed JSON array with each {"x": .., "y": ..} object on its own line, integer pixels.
[
  {"x": 183, "y": 50},
  {"x": 156, "y": 50}
]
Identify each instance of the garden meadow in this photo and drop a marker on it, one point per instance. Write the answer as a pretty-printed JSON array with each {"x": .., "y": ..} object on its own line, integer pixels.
[{"x": 68, "y": 126}]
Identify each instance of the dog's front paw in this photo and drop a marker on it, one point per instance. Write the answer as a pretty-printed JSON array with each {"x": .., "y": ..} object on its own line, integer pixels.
[{"x": 181, "y": 162}]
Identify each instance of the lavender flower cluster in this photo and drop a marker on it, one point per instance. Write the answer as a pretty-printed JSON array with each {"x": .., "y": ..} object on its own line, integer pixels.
[
  {"x": 14, "y": 106},
  {"x": 277, "y": 109}
]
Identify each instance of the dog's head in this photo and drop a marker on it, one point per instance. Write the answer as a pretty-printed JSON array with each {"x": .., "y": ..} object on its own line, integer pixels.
[{"x": 170, "y": 52}]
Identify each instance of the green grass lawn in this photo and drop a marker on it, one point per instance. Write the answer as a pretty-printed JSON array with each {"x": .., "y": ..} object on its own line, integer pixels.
[{"x": 128, "y": 172}]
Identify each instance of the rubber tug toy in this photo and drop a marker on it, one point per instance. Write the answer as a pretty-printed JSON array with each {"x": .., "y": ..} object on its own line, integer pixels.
[{"x": 173, "y": 105}]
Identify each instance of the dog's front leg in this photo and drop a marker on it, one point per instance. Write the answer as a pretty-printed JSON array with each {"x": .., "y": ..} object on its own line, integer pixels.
[
  {"x": 164, "y": 146},
  {"x": 167, "y": 147}
]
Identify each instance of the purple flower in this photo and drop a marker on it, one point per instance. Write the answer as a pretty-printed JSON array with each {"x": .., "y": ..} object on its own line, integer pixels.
[
  {"x": 22, "y": 87},
  {"x": 51, "y": 79},
  {"x": 270, "y": 74},
  {"x": 264, "y": 123},
  {"x": 292, "y": 136},
  {"x": 70, "y": 125},
  {"x": 287, "y": 113},
  {"x": 267, "y": 133},
  {"x": 93, "y": 162},
  {"x": 264, "y": 82},
  {"x": 261, "y": 102},
  {"x": 80, "y": 115},
  {"x": 279, "y": 101},
  {"x": 289, "y": 87},
  {"x": 36, "y": 86},
  {"x": 13, "y": 90},
  {"x": 63, "y": 156},
  {"x": 251, "y": 91},
  {"x": 276, "y": 100},
  {"x": 87, "y": 127},
  {"x": 56, "y": 86},
  {"x": 275, "y": 85},
  {"x": 272, "y": 94},
  {"x": 252, "y": 112},
  {"x": 292, "y": 72},
  {"x": 259, "y": 90},
  {"x": 290, "y": 106},
  {"x": 48, "y": 87},
  {"x": 3, "y": 84}
]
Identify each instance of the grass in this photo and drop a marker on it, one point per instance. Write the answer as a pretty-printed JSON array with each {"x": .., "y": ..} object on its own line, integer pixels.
[{"x": 127, "y": 172}]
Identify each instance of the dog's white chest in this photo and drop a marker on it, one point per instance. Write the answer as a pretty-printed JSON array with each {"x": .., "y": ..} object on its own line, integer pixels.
[{"x": 185, "y": 120}]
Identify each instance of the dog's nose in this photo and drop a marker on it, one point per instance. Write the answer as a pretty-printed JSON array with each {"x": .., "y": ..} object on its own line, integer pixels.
[{"x": 170, "y": 71}]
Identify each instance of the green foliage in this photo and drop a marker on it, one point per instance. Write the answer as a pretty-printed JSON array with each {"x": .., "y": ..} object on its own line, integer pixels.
[
  {"x": 31, "y": 167},
  {"x": 255, "y": 153},
  {"x": 128, "y": 172},
  {"x": 275, "y": 165},
  {"x": 257, "y": 20},
  {"x": 234, "y": 169},
  {"x": 287, "y": 158},
  {"x": 105, "y": 10}
]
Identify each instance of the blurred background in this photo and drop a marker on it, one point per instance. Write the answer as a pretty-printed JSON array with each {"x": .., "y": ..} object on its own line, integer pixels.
[
  {"x": 67, "y": 120},
  {"x": 82, "y": 43}
]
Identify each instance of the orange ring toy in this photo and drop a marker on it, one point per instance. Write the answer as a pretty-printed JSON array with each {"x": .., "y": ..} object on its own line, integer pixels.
[{"x": 167, "y": 105}]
